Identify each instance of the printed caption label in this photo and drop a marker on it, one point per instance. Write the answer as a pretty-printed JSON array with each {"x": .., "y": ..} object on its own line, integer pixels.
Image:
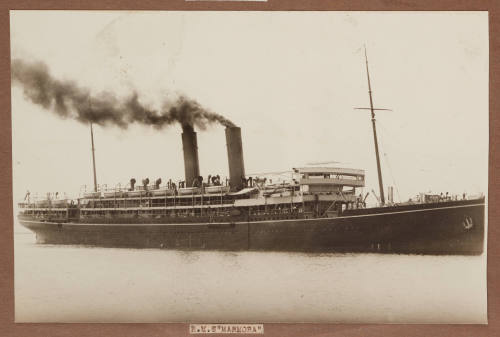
[{"x": 226, "y": 328}]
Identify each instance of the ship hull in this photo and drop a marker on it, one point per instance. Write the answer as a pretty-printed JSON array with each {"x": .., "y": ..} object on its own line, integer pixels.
[{"x": 444, "y": 228}]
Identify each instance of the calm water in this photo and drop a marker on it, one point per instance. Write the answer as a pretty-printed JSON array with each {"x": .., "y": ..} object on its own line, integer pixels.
[{"x": 81, "y": 284}]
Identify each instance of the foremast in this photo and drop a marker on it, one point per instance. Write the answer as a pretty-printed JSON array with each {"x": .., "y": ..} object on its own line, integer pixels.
[
  {"x": 375, "y": 140},
  {"x": 379, "y": 170},
  {"x": 93, "y": 157}
]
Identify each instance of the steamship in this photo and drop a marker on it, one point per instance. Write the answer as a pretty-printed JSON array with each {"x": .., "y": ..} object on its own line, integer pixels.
[{"x": 319, "y": 210}]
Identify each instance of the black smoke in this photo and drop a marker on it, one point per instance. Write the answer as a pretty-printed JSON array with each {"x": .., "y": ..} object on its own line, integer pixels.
[{"x": 68, "y": 100}]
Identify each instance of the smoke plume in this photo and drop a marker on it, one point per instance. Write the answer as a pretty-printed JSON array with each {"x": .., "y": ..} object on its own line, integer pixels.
[{"x": 68, "y": 100}]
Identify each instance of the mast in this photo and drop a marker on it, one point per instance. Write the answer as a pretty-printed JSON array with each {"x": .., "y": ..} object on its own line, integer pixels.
[
  {"x": 93, "y": 149},
  {"x": 93, "y": 156},
  {"x": 380, "y": 183}
]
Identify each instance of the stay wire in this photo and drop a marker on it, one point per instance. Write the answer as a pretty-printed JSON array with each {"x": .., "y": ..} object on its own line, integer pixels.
[{"x": 382, "y": 138}]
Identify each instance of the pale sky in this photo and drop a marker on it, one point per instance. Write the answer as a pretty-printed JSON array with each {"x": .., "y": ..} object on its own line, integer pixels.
[{"x": 290, "y": 80}]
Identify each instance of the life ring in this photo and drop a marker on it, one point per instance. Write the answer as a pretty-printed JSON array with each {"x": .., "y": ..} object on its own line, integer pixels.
[{"x": 467, "y": 223}]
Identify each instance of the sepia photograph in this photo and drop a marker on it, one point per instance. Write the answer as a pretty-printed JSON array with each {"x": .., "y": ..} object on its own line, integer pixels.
[{"x": 250, "y": 167}]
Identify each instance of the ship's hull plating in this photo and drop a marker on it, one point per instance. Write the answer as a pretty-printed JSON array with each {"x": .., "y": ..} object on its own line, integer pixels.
[{"x": 447, "y": 228}]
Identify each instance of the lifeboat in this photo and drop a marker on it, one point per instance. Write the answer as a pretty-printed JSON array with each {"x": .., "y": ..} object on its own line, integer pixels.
[
  {"x": 217, "y": 189},
  {"x": 42, "y": 203},
  {"x": 137, "y": 193},
  {"x": 60, "y": 202},
  {"x": 162, "y": 192},
  {"x": 114, "y": 194},
  {"x": 189, "y": 190},
  {"x": 90, "y": 195}
]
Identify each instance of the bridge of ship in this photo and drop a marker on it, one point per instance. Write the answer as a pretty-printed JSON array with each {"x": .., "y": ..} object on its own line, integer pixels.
[{"x": 329, "y": 179}]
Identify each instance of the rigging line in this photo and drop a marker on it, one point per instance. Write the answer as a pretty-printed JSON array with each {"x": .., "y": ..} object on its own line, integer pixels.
[
  {"x": 386, "y": 157},
  {"x": 392, "y": 176},
  {"x": 279, "y": 175},
  {"x": 385, "y": 130},
  {"x": 270, "y": 173}
]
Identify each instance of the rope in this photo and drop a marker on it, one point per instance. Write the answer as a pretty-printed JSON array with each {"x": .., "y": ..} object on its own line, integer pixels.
[{"x": 387, "y": 159}]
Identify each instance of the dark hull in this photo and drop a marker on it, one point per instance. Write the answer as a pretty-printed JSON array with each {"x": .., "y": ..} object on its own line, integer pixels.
[{"x": 443, "y": 228}]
